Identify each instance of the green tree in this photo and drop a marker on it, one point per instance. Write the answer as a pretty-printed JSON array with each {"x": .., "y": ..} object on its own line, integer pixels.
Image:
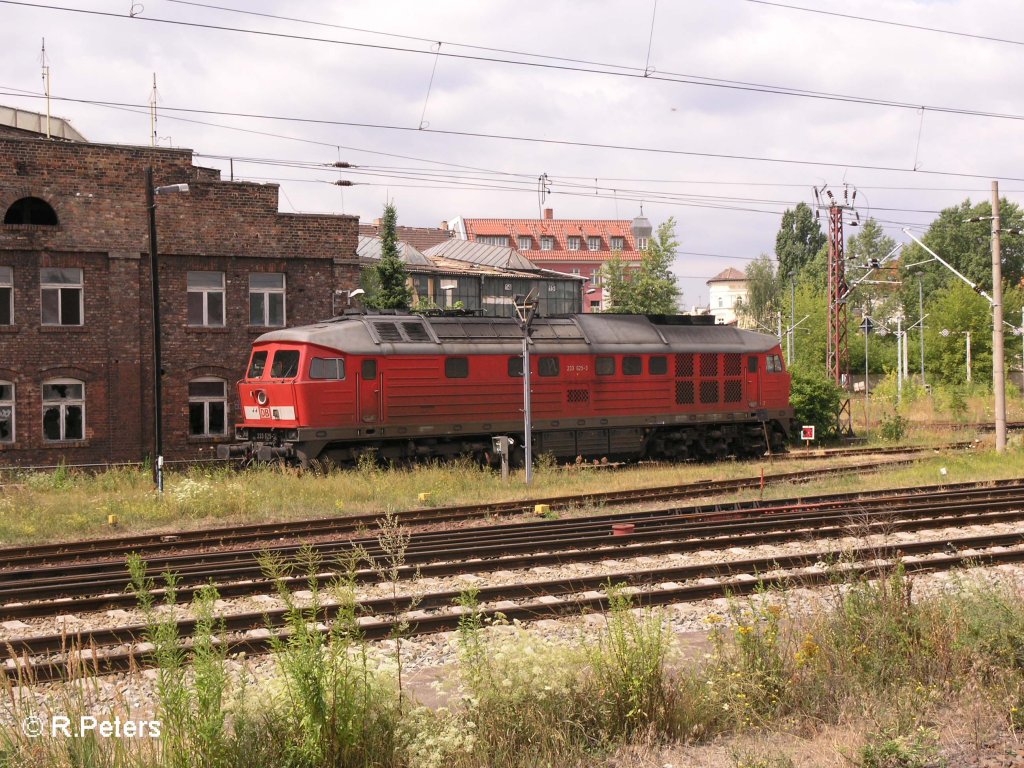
[
  {"x": 868, "y": 244},
  {"x": 764, "y": 294},
  {"x": 798, "y": 241},
  {"x": 652, "y": 288},
  {"x": 387, "y": 284},
  {"x": 958, "y": 309},
  {"x": 968, "y": 247}
]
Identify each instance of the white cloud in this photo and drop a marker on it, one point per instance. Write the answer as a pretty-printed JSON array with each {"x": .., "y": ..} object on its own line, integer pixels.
[{"x": 102, "y": 58}]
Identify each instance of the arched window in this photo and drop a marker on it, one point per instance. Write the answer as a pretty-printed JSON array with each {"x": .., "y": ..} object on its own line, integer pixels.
[
  {"x": 31, "y": 210},
  {"x": 6, "y": 412},
  {"x": 63, "y": 410},
  {"x": 207, "y": 407}
]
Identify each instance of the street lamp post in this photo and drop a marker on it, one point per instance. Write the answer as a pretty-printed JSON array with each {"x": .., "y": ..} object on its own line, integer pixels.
[
  {"x": 792, "y": 317},
  {"x": 526, "y": 308},
  {"x": 158, "y": 437}
]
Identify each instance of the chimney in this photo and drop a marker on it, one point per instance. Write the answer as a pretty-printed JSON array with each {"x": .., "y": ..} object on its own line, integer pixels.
[
  {"x": 549, "y": 213},
  {"x": 444, "y": 225},
  {"x": 376, "y": 223}
]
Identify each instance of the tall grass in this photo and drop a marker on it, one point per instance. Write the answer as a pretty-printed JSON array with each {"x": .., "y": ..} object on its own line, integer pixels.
[
  {"x": 37, "y": 507},
  {"x": 874, "y": 653}
]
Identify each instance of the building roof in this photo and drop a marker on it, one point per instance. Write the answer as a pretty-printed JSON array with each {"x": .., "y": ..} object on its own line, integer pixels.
[
  {"x": 22, "y": 121},
  {"x": 499, "y": 256},
  {"x": 560, "y": 230},
  {"x": 420, "y": 238},
  {"x": 728, "y": 275},
  {"x": 369, "y": 248}
]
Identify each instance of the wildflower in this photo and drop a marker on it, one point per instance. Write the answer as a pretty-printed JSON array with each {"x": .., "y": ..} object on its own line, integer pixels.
[{"x": 713, "y": 618}]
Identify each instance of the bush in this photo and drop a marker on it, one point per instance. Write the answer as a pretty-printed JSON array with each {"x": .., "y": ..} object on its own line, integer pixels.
[
  {"x": 815, "y": 400},
  {"x": 893, "y": 427}
]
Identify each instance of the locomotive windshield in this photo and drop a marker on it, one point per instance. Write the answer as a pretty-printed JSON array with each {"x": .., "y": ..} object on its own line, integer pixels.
[
  {"x": 259, "y": 362},
  {"x": 285, "y": 364}
]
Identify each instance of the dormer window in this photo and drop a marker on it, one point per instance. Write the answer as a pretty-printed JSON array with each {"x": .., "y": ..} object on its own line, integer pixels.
[
  {"x": 593, "y": 243},
  {"x": 547, "y": 243},
  {"x": 31, "y": 210},
  {"x": 525, "y": 243},
  {"x": 618, "y": 243},
  {"x": 575, "y": 243}
]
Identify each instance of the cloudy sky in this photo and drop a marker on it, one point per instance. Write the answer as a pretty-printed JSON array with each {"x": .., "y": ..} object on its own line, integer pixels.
[{"x": 721, "y": 113}]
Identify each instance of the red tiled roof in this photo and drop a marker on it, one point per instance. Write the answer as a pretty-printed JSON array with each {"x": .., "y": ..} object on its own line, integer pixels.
[
  {"x": 728, "y": 275},
  {"x": 560, "y": 229}
]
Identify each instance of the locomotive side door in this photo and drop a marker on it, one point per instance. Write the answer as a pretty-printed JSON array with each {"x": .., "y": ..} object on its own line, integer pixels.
[
  {"x": 753, "y": 381},
  {"x": 369, "y": 392}
]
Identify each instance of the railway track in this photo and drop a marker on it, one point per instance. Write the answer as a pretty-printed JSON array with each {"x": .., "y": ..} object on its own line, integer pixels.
[
  {"x": 353, "y": 525},
  {"x": 94, "y": 585},
  {"x": 573, "y": 541},
  {"x": 65, "y": 655}
]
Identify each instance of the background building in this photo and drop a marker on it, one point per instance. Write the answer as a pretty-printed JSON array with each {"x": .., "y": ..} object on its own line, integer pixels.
[
  {"x": 726, "y": 290},
  {"x": 578, "y": 247},
  {"x": 76, "y": 351}
]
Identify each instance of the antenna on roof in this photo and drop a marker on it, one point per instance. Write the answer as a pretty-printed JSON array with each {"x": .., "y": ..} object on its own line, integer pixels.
[
  {"x": 543, "y": 190},
  {"x": 46, "y": 85},
  {"x": 152, "y": 114}
]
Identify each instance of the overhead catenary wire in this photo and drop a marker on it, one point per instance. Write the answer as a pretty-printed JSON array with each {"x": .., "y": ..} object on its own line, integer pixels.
[
  {"x": 551, "y": 142},
  {"x": 605, "y": 69}
]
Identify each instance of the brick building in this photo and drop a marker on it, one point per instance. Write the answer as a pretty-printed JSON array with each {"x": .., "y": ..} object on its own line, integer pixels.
[
  {"x": 573, "y": 246},
  {"x": 76, "y": 339}
]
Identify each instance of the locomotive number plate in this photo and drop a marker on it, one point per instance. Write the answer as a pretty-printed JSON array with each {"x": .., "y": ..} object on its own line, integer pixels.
[{"x": 262, "y": 435}]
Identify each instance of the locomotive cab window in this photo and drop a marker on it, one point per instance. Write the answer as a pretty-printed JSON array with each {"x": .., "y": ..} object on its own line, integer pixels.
[
  {"x": 327, "y": 368},
  {"x": 285, "y": 364},
  {"x": 605, "y": 366},
  {"x": 774, "y": 364},
  {"x": 259, "y": 362},
  {"x": 632, "y": 366},
  {"x": 548, "y": 366},
  {"x": 515, "y": 367},
  {"x": 456, "y": 367},
  {"x": 369, "y": 370},
  {"x": 751, "y": 364},
  {"x": 657, "y": 365}
]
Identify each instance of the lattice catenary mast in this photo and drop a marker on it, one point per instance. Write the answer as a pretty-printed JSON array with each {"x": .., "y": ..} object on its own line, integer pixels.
[{"x": 837, "y": 361}]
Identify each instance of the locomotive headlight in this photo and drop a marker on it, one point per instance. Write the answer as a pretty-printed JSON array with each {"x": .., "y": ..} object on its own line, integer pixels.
[{"x": 261, "y": 397}]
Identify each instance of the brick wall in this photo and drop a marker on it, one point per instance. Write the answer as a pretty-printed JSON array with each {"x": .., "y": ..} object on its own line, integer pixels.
[{"x": 99, "y": 195}]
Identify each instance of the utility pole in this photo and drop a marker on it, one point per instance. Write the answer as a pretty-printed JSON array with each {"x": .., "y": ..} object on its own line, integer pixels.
[
  {"x": 838, "y": 354},
  {"x": 998, "y": 361}
]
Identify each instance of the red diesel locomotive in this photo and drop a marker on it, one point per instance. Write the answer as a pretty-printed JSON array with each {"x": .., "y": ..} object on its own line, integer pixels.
[{"x": 610, "y": 387}]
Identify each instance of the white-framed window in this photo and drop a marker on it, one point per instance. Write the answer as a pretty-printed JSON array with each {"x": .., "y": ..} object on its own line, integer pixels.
[
  {"x": 266, "y": 299},
  {"x": 641, "y": 243},
  {"x": 493, "y": 239},
  {"x": 6, "y": 412},
  {"x": 63, "y": 410},
  {"x": 207, "y": 407},
  {"x": 593, "y": 243},
  {"x": 525, "y": 243},
  {"x": 547, "y": 243},
  {"x": 206, "y": 298},
  {"x": 61, "y": 296},
  {"x": 618, "y": 243},
  {"x": 6, "y": 295},
  {"x": 575, "y": 243},
  {"x": 574, "y": 271},
  {"x": 595, "y": 277}
]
